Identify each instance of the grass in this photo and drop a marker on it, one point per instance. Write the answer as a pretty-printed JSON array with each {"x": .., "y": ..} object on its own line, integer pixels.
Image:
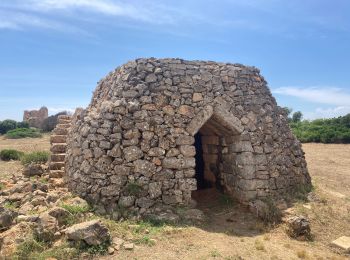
[
  {"x": 272, "y": 214},
  {"x": 75, "y": 213},
  {"x": 35, "y": 157},
  {"x": 145, "y": 240},
  {"x": 10, "y": 154},
  {"x": 10, "y": 205},
  {"x": 19, "y": 133}
]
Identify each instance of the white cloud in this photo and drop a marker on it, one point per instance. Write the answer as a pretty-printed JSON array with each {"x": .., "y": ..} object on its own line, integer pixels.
[
  {"x": 19, "y": 20},
  {"x": 151, "y": 12},
  {"x": 321, "y": 95},
  {"x": 327, "y": 112},
  {"x": 55, "y": 110}
]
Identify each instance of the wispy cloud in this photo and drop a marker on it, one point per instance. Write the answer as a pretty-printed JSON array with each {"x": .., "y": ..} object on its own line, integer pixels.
[
  {"x": 55, "y": 110},
  {"x": 327, "y": 112},
  {"x": 145, "y": 11},
  {"x": 18, "y": 21},
  {"x": 321, "y": 95}
]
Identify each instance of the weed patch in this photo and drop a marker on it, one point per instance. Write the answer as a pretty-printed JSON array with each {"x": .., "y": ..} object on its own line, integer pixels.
[
  {"x": 23, "y": 133},
  {"x": 35, "y": 157}
]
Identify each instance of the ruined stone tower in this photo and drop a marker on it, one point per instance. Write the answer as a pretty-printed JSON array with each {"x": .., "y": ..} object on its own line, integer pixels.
[{"x": 158, "y": 129}]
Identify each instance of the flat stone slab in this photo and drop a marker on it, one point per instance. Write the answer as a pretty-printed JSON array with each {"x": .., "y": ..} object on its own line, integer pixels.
[{"x": 343, "y": 243}]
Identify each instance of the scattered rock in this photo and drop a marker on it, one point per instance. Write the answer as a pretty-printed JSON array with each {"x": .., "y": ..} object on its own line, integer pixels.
[
  {"x": 298, "y": 227},
  {"x": 60, "y": 214},
  {"x": 33, "y": 170},
  {"x": 24, "y": 218},
  {"x": 11, "y": 238},
  {"x": 91, "y": 232},
  {"x": 46, "y": 228},
  {"x": 167, "y": 217},
  {"x": 111, "y": 250},
  {"x": 128, "y": 246},
  {"x": 343, "y": 243},
  {"x": 117, "y": 243},
  {"x": 194, "y": 215},
  {"x": 6, "y": 217}
]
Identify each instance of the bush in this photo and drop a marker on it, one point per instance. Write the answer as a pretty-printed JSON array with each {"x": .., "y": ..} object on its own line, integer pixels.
[
  {"x": 23, "y": 133},
  {"x": 7, "y": 125},
  {"x": 35, "y": 157},
  {"x": 22, "y": 124},
  {"x": 334, "y": 130},
  {"x": 10, "y": 154}
]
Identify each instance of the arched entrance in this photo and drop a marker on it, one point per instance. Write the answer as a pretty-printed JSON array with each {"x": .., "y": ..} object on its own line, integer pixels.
[{"x": 215, "y": 132}]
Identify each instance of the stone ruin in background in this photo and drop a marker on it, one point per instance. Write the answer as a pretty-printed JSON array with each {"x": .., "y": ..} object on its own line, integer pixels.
[
  {"x": 36, "y": 118},
  {"x": 157, "y": 130}
]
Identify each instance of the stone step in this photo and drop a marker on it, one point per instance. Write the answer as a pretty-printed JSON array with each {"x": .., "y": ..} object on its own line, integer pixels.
[
  {"x": 58, "y": 139},
  {"x": 60, "y": 131},
  {"x": 64, "y": 121},
  {"x": 58, "y": 157},
  {"x": 63, "y": 126},
  {"x": 56, "y": 173},
  {"x": 56, "y": 165},
  {"x": 65, "y": 117},
  {"x": 58, "y": 148}
]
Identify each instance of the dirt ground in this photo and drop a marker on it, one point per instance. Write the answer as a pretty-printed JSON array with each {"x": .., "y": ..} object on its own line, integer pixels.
[{"x": 231, "y": 232}]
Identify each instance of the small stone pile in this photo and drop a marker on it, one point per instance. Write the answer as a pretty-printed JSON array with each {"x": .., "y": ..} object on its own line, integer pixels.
[{"x": 58, "y": 149}]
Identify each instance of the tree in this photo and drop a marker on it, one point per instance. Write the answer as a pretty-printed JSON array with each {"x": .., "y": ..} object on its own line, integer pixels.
[
  {"x": 7, "y": 125},
  {"x": 297, "y": 116}
]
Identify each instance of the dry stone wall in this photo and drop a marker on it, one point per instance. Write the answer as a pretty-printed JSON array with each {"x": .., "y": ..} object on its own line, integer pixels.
[{"x": 134, "y": 147}]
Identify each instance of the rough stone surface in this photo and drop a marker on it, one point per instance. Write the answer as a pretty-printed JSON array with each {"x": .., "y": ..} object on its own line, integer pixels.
[
  {"x": 343, "y": 243},
  {"x": 33, "y": 170},
  {"x": 36, "y": 118},
  {"x": 298, "y": 226},
  {"x": 139, "y": 131},
  {"x": 91, "y": 232},
  {"x": 6, "y": 217}
]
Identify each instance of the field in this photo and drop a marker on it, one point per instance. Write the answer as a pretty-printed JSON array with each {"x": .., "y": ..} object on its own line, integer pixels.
[{"x": 230, "y": 231}]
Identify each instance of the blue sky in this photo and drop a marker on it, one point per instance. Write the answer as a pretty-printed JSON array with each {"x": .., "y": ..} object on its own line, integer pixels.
[{"x": 53, "y": 52}]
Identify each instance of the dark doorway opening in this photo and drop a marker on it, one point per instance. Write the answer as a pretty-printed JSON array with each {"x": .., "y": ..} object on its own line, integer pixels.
[{"x": 202, "y": 183}]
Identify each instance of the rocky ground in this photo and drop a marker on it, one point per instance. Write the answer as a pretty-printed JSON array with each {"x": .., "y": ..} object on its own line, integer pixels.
[{"x": 39, "y": 220}]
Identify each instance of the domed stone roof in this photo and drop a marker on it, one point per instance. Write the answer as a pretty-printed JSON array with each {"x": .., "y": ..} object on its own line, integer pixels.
[{"x": 158, "y": 129}]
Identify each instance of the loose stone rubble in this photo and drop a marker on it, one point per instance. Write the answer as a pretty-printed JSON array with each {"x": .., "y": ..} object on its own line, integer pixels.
[{"x": 133, "y": 148}]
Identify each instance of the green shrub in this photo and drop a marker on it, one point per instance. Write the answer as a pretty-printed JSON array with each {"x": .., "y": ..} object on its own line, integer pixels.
[
  {"x": 10, "y": 154},
  {"x": 7, "y": 125},
  {"x": 35, "y": 157},
  {"x": 23, "y": 133},
  {"x": 22, "y": 124},
  {"x": 334, "y": 130}
]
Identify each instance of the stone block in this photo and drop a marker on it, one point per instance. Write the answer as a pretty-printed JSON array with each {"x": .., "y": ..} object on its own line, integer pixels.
[{"x": 342, "y": 243}]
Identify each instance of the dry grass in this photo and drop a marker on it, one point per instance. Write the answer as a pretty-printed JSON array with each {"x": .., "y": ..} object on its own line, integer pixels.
[{"x": 26, "y": 145}]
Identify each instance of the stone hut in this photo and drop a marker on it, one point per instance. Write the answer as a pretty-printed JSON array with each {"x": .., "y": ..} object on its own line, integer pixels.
[{"x": 157, "y": 130}]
